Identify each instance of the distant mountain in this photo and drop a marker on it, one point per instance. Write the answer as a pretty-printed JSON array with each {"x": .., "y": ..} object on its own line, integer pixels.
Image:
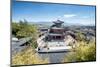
[
  {"x": 45, "y": 23},
  {"x": 70, "y": 24}
]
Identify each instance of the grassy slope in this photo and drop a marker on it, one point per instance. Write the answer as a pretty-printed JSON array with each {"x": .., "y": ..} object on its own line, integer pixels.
[{"x": 27, "y": 57}]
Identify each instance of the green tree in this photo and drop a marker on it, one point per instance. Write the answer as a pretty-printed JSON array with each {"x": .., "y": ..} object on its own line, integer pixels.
[
  {"x": 80, "y": 36},
  {"x": 27, "y": 31},
  {"x": 23, "y": 29},
  {"x": 15, "y": 28}
]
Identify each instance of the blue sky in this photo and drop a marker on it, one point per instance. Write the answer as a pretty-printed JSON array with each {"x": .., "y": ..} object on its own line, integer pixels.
[{"x": 37, "y": 12}]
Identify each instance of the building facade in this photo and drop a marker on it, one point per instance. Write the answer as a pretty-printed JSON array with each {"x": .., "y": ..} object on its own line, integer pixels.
[{"x": 56, "y": 31}]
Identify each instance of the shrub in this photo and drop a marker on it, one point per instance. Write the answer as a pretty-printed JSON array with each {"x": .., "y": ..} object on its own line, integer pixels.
[
  {"x": 23, "y": 29},
  {"x": 27, "y": 57},
  {"x": 83, "y": 52}
]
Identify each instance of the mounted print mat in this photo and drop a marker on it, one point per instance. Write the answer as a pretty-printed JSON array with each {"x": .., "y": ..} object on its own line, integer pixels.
[{"x": 50, "y": 33}]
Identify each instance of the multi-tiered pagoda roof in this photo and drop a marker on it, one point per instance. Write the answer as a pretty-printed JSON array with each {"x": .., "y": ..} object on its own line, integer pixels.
[{"x": 56, "y": 31}]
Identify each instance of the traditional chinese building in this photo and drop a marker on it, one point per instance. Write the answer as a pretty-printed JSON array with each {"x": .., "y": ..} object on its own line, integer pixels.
[
  {"x": 54, "y": 40},
  {"x": 56, "y": 31}
]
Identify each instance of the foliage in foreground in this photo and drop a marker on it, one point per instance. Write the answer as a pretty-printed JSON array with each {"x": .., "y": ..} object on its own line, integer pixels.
[
  {"x": 27, "y": 57},
  {"x": 83, "y": 52},
  {"x": 24, "y": 29}
]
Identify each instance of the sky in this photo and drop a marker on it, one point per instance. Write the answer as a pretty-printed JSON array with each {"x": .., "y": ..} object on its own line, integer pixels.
[{"x": 39, "y": 12}]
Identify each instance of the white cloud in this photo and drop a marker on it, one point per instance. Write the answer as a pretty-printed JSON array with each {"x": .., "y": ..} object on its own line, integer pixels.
[
  {"x": 69, "y": 15},
  {"x": 85, "y": 17}
]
